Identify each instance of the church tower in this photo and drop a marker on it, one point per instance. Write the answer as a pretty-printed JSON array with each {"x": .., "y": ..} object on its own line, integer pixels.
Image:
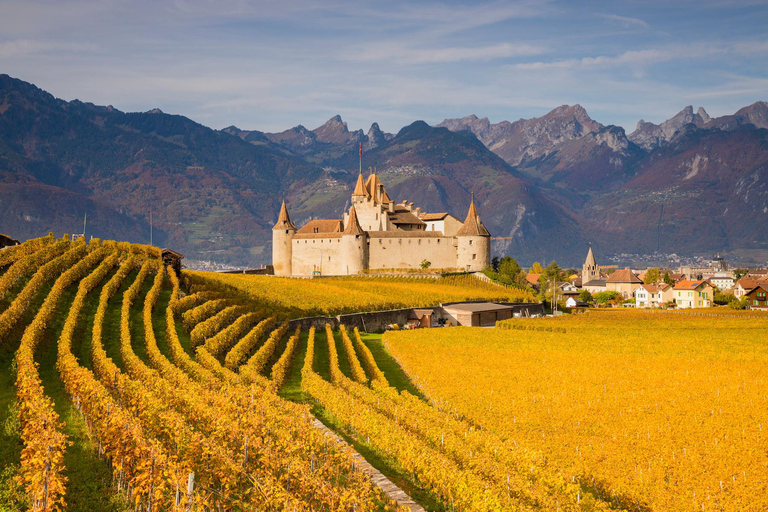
[
  {"x": 589, "y": 271},
  {"x": 282, "y": 243},
  {"x": 473, "y": 250},
  {"x": 354, "y": 246}
]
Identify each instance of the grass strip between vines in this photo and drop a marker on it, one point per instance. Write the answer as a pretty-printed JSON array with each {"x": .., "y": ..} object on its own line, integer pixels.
[
  {"x": 89, "y": 485},
  {"x": 395, "y": 375}
]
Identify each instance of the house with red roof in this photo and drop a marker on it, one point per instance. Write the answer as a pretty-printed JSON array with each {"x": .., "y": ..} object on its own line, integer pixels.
[{"x": 693, "y": 294}]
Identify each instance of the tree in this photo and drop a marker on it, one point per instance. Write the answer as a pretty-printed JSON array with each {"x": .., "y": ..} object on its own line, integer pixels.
[
  {"x": 667, "y": 278},
  {"x": 585, "y": 296},
  {"x": 652, "y": 275},
  {"x": 426, "y": 264},
  {"x": 509, "y": 267},
  {"x": 607, "y": 296},
  {"x": 495, "y": 263},
  {"x": 536, "y": 268},
  {"x": 738, "y": 273}
]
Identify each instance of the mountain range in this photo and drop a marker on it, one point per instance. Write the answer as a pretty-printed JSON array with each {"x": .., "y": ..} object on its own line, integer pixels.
[{"x": 545, "y": 187}]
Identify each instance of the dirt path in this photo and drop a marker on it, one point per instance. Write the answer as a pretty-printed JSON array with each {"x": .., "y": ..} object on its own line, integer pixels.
[{"x": 382, "y": 482}]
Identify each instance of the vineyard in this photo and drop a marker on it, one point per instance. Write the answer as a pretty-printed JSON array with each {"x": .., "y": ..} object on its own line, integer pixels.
[
  {"x": 337, "y": 295},
  {"x": 127, "y": 387},
  {"x": 650, "y": 411}
]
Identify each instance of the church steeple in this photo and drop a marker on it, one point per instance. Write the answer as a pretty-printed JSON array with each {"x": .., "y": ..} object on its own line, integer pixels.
[
  {"x": 590, "y": 271},
  {"x": 283, "y": 220}
]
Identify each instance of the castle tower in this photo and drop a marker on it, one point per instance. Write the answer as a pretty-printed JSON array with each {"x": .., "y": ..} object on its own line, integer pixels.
[
  {"x": 354, "y": 246},
  {"x": 282, "y": 243},
  {"x": 360, "y": 194},
  {"x": 473, "y": 251},
  {"x": 590, "y": 270}
]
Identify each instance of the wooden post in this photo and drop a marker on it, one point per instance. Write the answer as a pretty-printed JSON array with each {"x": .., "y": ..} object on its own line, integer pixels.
[{"x": 190, "y": 488}]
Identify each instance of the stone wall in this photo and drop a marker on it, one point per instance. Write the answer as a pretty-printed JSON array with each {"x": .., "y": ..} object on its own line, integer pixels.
[
  {"x": 321, "y": 253},
  {"x": 378, "y": 320},
  {"x": 409, "y": 252}
]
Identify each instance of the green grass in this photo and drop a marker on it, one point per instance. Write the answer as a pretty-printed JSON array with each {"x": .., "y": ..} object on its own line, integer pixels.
[
  {"x": 395, "y": 375},
  {"x": 322, "y": 363},
  {"x": 89, "y": 486},
  {"x": 12, "y": 497},
  {"x": 138, "y": 342},
  {"x": 110, "y": 337},
  {"x": 83, "y": 337},
  {"x": 292, "y": 389},
  {"x": 158, "y": 318}
]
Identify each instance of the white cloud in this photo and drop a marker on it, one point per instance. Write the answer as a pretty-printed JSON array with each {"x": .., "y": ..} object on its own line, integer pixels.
[
  {"x": 625, "y": 21},
  {"x": 24, "y": 47},
  {"x": 401, "y": 54}
]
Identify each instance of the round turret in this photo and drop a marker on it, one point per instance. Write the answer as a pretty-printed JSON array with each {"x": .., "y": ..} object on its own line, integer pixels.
[
  {"x": 354, "y": 246},
  {"x": 282, "y": 244},
  {"x": 473, "y": 248}
]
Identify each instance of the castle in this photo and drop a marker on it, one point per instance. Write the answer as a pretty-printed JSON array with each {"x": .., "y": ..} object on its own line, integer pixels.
[{"x": 377, "y": 233}]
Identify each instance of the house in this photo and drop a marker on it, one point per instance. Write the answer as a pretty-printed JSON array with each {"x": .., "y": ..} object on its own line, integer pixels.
[
  {"x": 533, "y": 279},
  {"x": 574, "y": 302},
  {"x": 420, "y": 318},
  {"x": 476, "y": 314},
  {"x": 623, "y": 281},
  {"x": 693, "y": 294},
  {"x": 594, "y": 286},
  {"x": 567, "y": 287},
  {"x": 172, "y": 259},
  {"x": 722, "y": 281},
  {"x": 757, "y": 297},
  {"x": 744, "y": 285},
  {"x": 6, "y": 241},
  {"x": 653, "y": 295}
]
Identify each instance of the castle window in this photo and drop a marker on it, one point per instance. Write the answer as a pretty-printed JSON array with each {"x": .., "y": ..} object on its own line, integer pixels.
[
  {"x": 419, "y": 240},
  {"x": 438, "y": 240},
  {"x": 286, "y": 231},
  {"x": 470, "y": 242},
  {"x": 474, "y": 256},
  {"x": 329, "y": 258}
]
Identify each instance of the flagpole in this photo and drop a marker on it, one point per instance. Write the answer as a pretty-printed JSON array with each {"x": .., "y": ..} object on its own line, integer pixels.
[{"x": 361, "y": 158}]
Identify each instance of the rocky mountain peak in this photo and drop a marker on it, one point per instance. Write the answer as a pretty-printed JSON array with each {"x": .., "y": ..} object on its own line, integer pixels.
[
  {"x": 155, "y": 111},
  {"x": 335, "y": 131},
  {"x": 375, "y": 136},
  {"x": 651, "y": 136},
  {"x": 756, "y": 114}
]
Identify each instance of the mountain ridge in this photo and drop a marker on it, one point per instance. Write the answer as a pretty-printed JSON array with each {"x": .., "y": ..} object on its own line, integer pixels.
[{"x": 216, "y": 193}]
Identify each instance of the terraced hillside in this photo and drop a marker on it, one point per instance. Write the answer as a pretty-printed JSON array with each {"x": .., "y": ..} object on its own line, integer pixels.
[{"x": 125, "y": 388}]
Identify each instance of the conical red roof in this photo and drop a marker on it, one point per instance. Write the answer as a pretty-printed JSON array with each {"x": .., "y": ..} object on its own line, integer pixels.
[
  {"x": 360, "y": 189},
  {"x": 353, "y": 226},
  {"x": 472, "y": 225},
  {"x": 283, "y": 220}
]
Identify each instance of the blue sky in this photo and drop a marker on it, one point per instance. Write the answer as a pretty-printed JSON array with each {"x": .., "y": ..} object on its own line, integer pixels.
[{"x": 273, "y": 65}]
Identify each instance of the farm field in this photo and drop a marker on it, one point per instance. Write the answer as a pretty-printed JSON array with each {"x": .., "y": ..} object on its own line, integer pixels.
[{"x": 651, "y": 411}]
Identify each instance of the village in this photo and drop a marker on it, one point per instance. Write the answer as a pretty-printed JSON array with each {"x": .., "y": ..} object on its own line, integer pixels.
[{"x": 684, "y": 287}]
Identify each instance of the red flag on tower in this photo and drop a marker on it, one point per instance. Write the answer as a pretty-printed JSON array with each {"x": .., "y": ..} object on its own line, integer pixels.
[{"x": 361, "y": 150}]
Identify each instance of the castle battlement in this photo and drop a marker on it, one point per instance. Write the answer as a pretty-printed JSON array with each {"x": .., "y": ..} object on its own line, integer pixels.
[{"x": 376, "y": 233}]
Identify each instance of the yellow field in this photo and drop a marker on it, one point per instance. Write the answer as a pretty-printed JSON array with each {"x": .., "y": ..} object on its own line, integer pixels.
[
  {"x": 646, "y": 410},
  {"x": 351, "y": 294}
]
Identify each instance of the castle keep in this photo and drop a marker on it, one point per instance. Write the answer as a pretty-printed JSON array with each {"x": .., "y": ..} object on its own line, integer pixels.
[{"x": 377, "y": 233}]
